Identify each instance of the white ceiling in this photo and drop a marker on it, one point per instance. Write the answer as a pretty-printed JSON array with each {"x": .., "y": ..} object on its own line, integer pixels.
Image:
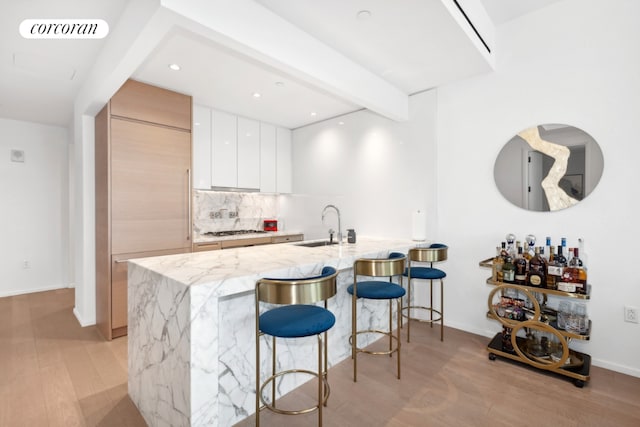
[{"x": 407, "y": 43}]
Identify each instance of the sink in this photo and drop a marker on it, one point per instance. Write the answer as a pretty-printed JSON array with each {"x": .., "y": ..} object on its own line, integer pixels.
[{"x": 316, "y": 244}]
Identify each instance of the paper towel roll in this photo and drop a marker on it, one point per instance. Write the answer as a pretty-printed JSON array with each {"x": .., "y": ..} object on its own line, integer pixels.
[{"x": 419, "y": 226}]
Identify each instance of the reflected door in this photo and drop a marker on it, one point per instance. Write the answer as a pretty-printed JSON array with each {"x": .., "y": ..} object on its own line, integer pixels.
[{"x": 535, "y": 174}]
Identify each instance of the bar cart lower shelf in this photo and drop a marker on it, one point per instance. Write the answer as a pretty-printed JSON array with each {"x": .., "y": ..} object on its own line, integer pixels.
[{"x": 579, "y": 373}]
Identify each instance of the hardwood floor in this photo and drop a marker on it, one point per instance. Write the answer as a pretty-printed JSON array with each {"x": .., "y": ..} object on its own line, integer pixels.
[{"x": 55, "y": 373}]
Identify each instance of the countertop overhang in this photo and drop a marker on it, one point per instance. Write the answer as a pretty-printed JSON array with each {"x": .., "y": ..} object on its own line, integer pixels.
[{"x": 235, "y": 270}]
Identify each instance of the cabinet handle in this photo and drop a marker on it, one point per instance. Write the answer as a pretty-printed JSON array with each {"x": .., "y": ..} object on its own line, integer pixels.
[{"x": 189, "y": 199}]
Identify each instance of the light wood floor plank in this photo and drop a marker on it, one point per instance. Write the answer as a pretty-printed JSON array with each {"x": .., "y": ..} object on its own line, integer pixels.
[{"x": 55, "y": 373}]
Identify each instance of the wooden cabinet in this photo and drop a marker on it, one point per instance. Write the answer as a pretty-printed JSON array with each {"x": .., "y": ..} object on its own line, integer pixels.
[
  {"x": 288, "y": 238},
  {"x": 143, "y": 189},
  {"x": 206, "y": 246}
]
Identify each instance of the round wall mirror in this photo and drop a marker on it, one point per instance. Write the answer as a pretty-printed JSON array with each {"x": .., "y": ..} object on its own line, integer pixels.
[{"x": 548, "y": 167}]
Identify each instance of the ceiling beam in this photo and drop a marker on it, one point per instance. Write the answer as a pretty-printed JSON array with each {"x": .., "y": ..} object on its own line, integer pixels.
[{"x": 254, "y": 31}]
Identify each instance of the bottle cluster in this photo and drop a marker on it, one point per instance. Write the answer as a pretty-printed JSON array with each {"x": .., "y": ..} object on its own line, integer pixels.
[{"x": 551, "y": 267}]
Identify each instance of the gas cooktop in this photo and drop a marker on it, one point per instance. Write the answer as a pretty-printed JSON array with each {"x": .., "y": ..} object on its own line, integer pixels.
[{"x": 231, "y": 232}]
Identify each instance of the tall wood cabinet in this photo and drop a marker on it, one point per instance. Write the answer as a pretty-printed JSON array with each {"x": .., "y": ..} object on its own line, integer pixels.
[{"x": 143, "y": 197}]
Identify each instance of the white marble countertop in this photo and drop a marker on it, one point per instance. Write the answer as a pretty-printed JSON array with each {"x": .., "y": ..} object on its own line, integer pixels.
[
  {"x": 200, "y": 238},
  {"x": 233, "y": 271}
]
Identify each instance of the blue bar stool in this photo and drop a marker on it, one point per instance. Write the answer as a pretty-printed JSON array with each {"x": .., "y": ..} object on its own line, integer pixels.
[
  {"x": 296, "y": 317},
  {"x": 435, "y": 253},
  {"x": 378, "y": 290}
]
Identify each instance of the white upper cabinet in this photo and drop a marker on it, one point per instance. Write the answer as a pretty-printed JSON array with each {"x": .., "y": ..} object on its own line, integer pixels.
[
  {"x": 201, "y": 148},
  {"x": 283, "y": 161},
  {"x": 267, "y": 158},
  {"x": 236, "y": 152},
  {"x": 248, "y": 153},
  {"x": 224, "y": 149}
]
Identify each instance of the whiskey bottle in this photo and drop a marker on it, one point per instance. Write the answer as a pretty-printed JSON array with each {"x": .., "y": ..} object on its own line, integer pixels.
[
  {"x": 537, "y": 274},
  {"x": 531, "y": 243},
  {"x": 509, "y": 271},
  {"x": 554, "y": 270},
  {"x": 521, "y": 268},
  {"x": 576, "y": 275},
  {"x": 497, "y": 265}
]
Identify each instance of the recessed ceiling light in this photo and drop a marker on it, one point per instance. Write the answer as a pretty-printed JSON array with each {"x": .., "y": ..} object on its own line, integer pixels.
[
  {"x": 340, "y": 123},
  {"x": 197, "y": 123},
  {"x": 313, "y": 113},
  {"x": 363, "y": 15},
  {"x": 174, "y": 67},
  {"x": 256, "y": 95}
]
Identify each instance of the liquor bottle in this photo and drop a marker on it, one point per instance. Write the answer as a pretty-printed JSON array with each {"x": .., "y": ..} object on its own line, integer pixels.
[
  {"x": 509, "y": 271},
  {"x": 511, "y": 248},
  {"x": 576, "y": 275},
  {"x": 554, "y": 270},
  {"x": 521, "y": 268},
  {"x": 547, "y": 248},
  {"x": 531, "y": 243},
  {"x": 503, "y": 251},
  {"x": 537, "y": 274},
  {"x": 497, "y": 265},
  {"x": 560, "y": 258}
]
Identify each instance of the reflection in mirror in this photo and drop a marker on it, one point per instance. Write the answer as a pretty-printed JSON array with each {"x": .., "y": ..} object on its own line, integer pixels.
[{"x": 548, "y": 167}]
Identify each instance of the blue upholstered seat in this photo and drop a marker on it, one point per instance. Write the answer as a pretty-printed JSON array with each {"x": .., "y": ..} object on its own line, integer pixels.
[
  {"x": 377, "y": 289},
  {"x": 425, "y": 273},
  {"x": 298, "y": 320}
]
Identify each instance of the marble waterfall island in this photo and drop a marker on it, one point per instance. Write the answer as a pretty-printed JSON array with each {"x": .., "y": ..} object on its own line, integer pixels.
[{"x": 192, "y": 320}]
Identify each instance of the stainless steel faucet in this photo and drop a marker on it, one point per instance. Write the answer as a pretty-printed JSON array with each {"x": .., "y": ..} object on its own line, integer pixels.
[{"x": 324, "y": 212}]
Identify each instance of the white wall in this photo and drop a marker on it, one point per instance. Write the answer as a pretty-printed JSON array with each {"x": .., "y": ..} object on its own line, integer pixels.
[
  {"x": 576, "y": 62},
  {"x": 35, "y": 208},
  {"x": 377, "y": 171}
]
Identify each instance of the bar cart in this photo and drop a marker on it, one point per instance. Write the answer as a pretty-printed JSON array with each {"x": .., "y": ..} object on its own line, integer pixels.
[{"x": 531, "y": 333}]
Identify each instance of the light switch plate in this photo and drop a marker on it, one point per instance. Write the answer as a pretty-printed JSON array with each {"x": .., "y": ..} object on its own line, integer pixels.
[{"x": 17, "y": 156}]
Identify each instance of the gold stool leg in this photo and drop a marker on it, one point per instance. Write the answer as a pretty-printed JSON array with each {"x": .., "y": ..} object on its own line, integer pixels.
[
  {"x": 354, "y": 351},
  {"x": 441, "y": 310},
  {"x": 257, "y": 378},
  {"x": 320, "y": 380},
  {"x": 409, "y": 311},
  {"x": 398, "y": 335},
  {"x": 391, "y": 328},
  {"x": 431, "y": 301},
  {"x": 273, "y": 371}
]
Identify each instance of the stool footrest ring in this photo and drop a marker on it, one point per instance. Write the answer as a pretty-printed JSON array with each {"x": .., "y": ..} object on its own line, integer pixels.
[
  {"x": 376, "y": 331},
  {"x": 433, "y": 310},
  {"x": 270, "y": 406}
]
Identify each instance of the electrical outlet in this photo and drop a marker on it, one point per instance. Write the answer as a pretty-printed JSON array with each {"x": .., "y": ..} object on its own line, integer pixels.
[{"x": 631, "y": 315}]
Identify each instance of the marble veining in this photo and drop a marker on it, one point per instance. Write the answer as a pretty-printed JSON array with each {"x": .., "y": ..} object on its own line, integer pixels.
[
  {"x": 192, "y": 320},
  {"x": 228, "y": 210}
]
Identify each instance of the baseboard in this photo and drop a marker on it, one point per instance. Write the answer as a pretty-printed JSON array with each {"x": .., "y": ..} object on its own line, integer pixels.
[
  {"x": 80, "y": 319},
  {"x": 30, "y": 291},
  {"x": 594, "y": 362},
  {"x": 615, "y": 367}
]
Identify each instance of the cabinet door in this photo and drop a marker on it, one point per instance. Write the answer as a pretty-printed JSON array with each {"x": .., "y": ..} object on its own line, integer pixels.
[
  {"x": 224, "y": 154},
  {"x": 248, "y": 153},
  {"x": 267, "y": 158},
  {"x": 201, "y": 147},
  {"x": 284, "y": 165},
  {"x": 152, "y": 104},
  {"x": 150, "y": 194}
]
